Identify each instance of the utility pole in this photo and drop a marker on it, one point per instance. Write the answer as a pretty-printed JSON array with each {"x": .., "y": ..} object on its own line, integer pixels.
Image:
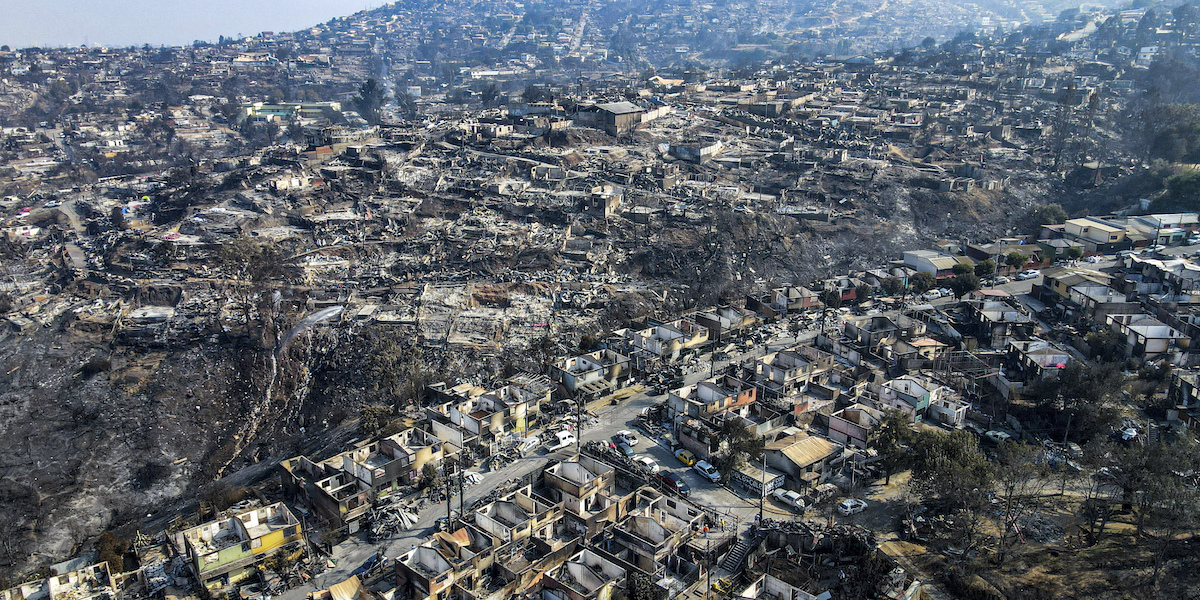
[
  {"x": 461, "y": 495},
  {"x": 707, "y": 561},
  {"x": 578, "y": 428},
  {"x": 762, "y": 489},
  {"x": 1063, "y": 490}
]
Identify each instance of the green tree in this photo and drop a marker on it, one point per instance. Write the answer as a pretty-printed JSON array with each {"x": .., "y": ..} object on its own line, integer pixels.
[
  {"x": 961, "y": 269},
  {"x": 1015, "y": 260},
  {"x": 921, "y": 282},
  {"x": 1050, "y": 214},
  {"x": 891, "y": 438},
  {"x": 1074, "y": 253},
  {"x": 862, "y": 293},
  {"x": 735, "y": 446},
  {"x": 111, "y": 548},
  {"x": 949, "y": 466},
  {"x": 373, "y": 418},
  {"x": 370, "y": 100},
  {"x": 831, "y": 298},
  {"x": 535, "y": 93},
  {"x": 949, "y": 469},
  {"x": 985, "y": 268},
  {"x": 892, "y": 285},
  {"x": 963, "y": 284},
  {"x": 489, "y": 95},
  {"x": 408, "y": 105},
  {"x": 430, "y": 479}
]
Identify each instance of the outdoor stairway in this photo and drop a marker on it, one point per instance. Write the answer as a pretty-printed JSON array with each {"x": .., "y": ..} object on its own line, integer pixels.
[{"x": 734, "y": 560}]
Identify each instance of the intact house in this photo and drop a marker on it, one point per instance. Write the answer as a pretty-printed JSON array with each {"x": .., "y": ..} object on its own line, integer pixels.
[
  {"x": 593, "y": 374},
  {"x": 941, "y": 266},
  {"x": 1096, "y": 234},
  {"x": 341, "y": 489},
  {"x": 804, "y": 459},
  {"x": 227, "y": 551}
]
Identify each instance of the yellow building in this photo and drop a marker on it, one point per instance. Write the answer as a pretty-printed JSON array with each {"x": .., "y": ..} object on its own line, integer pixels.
[
  {"x": 226, "y": 551},
  {"x": 1094, "y": 232}
]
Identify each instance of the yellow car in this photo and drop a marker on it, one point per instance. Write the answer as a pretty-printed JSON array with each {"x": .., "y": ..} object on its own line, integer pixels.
[{"x": 685, "y": 456}]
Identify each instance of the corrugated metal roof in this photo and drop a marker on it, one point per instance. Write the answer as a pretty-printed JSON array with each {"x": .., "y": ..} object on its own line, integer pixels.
[{"x": 808, "y": 450}]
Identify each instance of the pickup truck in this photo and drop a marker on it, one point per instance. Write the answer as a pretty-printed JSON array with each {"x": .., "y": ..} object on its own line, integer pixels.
[{"x": 560, "y": 440}]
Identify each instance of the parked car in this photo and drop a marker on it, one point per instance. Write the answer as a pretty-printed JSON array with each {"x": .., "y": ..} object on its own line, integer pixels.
[
  {"x": 851, "y": 506},
  {"x": 1028, "y": 274},
  {"x": 686, "y": 457},
  {"x": 647, "y": 462},
  {"x": 1001, "y": 280},
  {"x": 674, "y": 483},
  {"x": 789, "y": 497},
  {"x": 997, "y": 436},
  {"x": 708, "y": 471},
  {"x": 628, "y": 437},
  {"x": 625, "y": 449},
  {"x": 931, "y": 295},
  {"x": 560, "y": 440}
]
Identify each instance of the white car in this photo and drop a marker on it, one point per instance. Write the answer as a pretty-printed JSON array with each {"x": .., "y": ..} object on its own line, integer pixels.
[
  {"x": 851, "y": 506},
  {"x": 998, "y": 437},
  {"x": 708, "y": 471},
  {"x": 789, "y": 497},
  {"x": 647, "y": 462},
  {"x": 628, "y": 437},
  {"x": 1030, "y": 274}
]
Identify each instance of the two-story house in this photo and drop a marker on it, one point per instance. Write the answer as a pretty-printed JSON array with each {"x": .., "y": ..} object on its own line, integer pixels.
[{"x": 227, "y": 551}]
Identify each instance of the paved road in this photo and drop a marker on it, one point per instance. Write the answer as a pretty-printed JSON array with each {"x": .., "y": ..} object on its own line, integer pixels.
[{"x": 355, "y": 550}]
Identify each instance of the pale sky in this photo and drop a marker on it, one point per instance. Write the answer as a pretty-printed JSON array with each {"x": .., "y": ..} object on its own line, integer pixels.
[{"x": 25, "y": 23}]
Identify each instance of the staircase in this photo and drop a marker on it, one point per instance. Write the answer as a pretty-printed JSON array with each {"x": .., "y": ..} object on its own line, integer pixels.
[{"x": 734, "y": 561}]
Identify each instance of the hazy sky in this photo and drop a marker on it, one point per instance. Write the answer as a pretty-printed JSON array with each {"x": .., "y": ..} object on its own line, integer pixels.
[{"x": 25, "y": 23}]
